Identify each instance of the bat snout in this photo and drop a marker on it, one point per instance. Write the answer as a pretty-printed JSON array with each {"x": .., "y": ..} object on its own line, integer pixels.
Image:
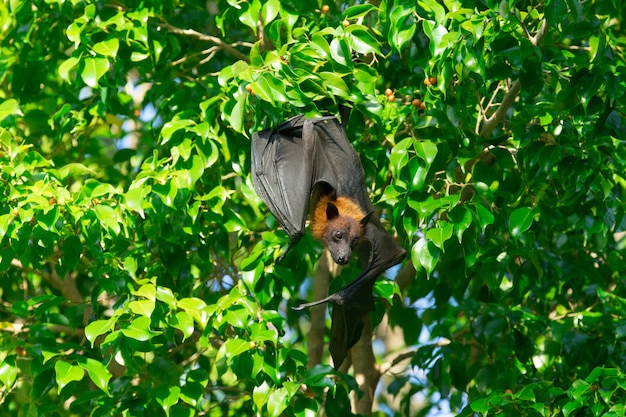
[{"x": 342, "y": 259}]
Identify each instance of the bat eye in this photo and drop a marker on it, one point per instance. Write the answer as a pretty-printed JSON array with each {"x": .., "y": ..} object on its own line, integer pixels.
[{"x": 338, "y": 234}]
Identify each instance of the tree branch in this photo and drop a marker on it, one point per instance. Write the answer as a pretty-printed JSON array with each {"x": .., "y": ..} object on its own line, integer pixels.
[
  {"x": 318, "y": 313},
  {"x": 66, "y": 286},
  {"x": 366, "y": 370},
  {"x": 498, "y": 117},
  {"x": 230, "y": 48}
]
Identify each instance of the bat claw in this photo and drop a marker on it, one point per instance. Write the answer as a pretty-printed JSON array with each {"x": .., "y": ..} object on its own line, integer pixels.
[{"x": 329, "y": 299}]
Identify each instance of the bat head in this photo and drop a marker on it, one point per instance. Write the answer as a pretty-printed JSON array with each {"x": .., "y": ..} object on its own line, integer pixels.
[{"x": 339, "y": 223}]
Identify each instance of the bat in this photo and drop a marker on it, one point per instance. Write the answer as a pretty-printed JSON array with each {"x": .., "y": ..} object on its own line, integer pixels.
[{"x": 310, "y": 161}]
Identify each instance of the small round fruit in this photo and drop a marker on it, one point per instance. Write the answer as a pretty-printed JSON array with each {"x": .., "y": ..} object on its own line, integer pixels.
[
  {"x": 426, "y": 81},
  {"x": 391, "y": 97},
  {"x": 388, "y": 92},
  {"x": 249, "y": 88},
  {"x": 416, "y": 103},
  {"x": 433, "y": 80},
  {"x": 325, "y": 8},
  {"x": 345, "y": 23}
]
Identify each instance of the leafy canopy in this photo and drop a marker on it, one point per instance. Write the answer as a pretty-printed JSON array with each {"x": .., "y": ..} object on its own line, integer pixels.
[{"x": 138, "y": 272}]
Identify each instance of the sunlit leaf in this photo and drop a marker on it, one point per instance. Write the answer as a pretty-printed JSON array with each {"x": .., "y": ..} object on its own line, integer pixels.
[
  {"x": 98, "y": 373},
  {"x": 93, "y": 70},
  {"x": 9, "y": 107},
  {"x": 66, "y": 373},
  {"x": 97, "y": 328},
  {"x": 107, "y": 48},
  {"x": 139, "y": 329}
]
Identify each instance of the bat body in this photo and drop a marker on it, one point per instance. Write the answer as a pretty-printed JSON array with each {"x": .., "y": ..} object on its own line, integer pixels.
[{"x": 311, "y": 160}]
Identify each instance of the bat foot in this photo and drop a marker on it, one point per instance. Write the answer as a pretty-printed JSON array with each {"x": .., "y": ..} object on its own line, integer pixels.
[{"x": 329, "y": 299}]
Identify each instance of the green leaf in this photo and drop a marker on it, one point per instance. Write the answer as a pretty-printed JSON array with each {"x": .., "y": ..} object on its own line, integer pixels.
[
  {"x": 402, "y": 26},
  {"x": 361, "y": 41},
  {"x": 261, "y": 88},
  {"x": 484, "y": 216},
  {"x": 167, "y": 397},
  {"x": 169, "y": 128},
  {"x": 461, "y": 218},
  {"x": 98, "y": 327},
  {"x": 74, "y": 169},
  {"x": 142, "y": 307},
  {"x": 130, "y": 266},
  {"x": 196, "y": 308},
  {"x": 556, "y": 11},
  {"x": 97, "y": 372},
  {"x": 386, "y": 289},
  {"x": 237, "y": 114},
  {"x": 237, "y": 317},
  {"x": 108, "y": 217},
  {"x": 426, "y": 150},
  {"x": 66, "y": 373},
  {"x": 72, "y": 250},
  {"x": 107, "y": 48},
  {"x": 260, "y": 394},
  {"x": 250, "y": 15},
  {"x": 277, "y": 402},
  {"x": 399, "y": 156},
  {"x": 436, "y": 33},
  {"x": 147, "y": 291},
  {"x": 437, "y": 9},
  {"x": 335, "y": 84},
  {"x": 8, "y": 372},
  {"x": 426, "y": 254},
  {"x": 359, "y": 10},
  {"x": 232, "y": 348},
  {"x": 439, "y": 235},
  {"x": 74, "y": 31},
  {"x": 183, "y": 322},
  {"x": 136, "y": 199},
  {"x": 8, "y": 108},
  {"x": 340, "y": 52},
  {"x": 521, "y": 220},
  {"x": 139, "y": 329},
  {"x": 572, "y": 406},
  {"x": 480, "y": 405},
  {"x": 93, "y": 70},
  {"x": 269, "y": 10},
  {"x": 102, "y": 189},
  {"x": 166, "y": 295}
]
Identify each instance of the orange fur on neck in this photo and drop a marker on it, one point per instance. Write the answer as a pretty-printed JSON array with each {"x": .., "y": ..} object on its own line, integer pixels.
[{"x": 347, "y": 209}]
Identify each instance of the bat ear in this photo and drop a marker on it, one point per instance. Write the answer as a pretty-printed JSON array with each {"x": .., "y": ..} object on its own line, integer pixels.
[
  {"x": 366, "y": 219},
  {"x": 331, "y": 211}
]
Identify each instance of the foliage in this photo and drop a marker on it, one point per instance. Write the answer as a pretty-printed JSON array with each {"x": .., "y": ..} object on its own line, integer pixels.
[{"x": 138, "y": 267}]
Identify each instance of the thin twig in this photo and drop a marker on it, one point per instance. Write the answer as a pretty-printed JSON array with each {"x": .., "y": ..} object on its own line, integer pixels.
[
  {"x": 498, "y": 117},
  {"x": 204, "y": 37}
]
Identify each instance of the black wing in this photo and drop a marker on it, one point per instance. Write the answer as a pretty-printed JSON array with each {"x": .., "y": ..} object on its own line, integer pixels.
[
  {"x": 297, "y": 157},
  {"x": 304, "y": 157}
]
